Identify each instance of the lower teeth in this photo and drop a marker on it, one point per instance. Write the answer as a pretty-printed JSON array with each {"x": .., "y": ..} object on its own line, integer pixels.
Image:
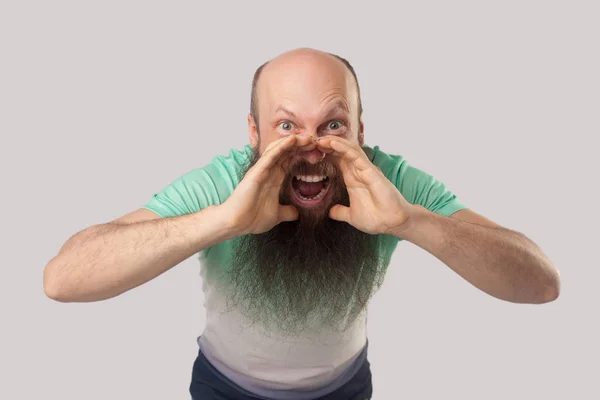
[{"x": 318, "y": 196}]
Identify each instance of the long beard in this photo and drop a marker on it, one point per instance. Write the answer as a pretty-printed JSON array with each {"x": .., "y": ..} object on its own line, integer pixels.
[{"x": 312, "y": 273}]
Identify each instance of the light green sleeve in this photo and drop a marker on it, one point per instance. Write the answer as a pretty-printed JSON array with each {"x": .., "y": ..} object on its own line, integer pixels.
[
  {"x": 202, "y": 187},
  {"x": 417, "y": 186}
]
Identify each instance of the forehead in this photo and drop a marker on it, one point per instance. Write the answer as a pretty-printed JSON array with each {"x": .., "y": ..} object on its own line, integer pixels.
[{"x": 306, "y": 83}]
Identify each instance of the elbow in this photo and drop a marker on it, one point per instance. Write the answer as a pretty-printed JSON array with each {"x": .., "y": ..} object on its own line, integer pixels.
[
  {"x": 54, "y": 288},
  {"x": 68, "y": 289},
  {"x": 552, "y": 291},
  {"x": 548, "y": 294},
  {"x": 540, "y": 290},
  {"x": 549, "y": 289},
  {"x": 54, "y": 293}
]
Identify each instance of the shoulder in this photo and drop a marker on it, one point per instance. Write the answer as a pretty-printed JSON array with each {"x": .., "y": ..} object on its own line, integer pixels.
[
  {"x": 416, "y": 185},
  {"x": 230, "y": 164},
  {"x": 201, "y": 187},
  {"x": 392, "y": 165},
  {"x": 224, "y": 168},
  {"x": 222, "y": 174}
]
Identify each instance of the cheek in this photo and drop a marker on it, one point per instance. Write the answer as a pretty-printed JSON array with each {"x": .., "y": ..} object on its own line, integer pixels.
[
  {"x": 270, "y": 136},
  {"x": 265, "y": 140}
]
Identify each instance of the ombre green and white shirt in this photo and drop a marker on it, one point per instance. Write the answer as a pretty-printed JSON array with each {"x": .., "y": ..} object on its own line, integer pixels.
[{"x": 271, "y": 365}]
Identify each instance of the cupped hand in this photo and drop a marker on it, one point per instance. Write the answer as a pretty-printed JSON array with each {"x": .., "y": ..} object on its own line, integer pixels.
[
  {"x": 254, "y": 204},
  {"x": 376, "y": 205}
]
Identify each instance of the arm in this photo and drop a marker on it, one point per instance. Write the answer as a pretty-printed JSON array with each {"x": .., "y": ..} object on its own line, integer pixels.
[
  {"x": 109, "y": 259},
  {"x": 405, "y": 202},
  {"x": 106, "y": 260},
  {"x": 499, "y": 261}
]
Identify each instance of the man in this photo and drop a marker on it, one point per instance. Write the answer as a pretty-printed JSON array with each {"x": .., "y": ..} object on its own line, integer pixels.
[{"x": 295, "y": 233}]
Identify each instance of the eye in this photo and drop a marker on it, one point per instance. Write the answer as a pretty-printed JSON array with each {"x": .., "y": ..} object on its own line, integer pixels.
[
  {"x": 334, "y": 125},
  {"x": 286, "y": 126}
]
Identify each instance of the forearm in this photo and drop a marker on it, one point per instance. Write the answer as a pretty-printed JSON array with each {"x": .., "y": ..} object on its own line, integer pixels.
[
  {"x": 106, "y": 260},
  {"x": 501, "y": 262}
]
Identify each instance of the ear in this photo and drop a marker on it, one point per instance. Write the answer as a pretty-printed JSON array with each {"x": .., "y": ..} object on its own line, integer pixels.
[
  {"x": 361, "y": 133},
  {"x": 253, "y": 132}
]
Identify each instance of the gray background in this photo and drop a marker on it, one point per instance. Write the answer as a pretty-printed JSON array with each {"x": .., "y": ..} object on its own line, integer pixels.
[{"x": 104, "y": 103}]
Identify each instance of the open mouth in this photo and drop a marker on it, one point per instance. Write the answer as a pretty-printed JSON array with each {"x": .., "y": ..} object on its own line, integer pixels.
[{"x": 310, "y": 190}]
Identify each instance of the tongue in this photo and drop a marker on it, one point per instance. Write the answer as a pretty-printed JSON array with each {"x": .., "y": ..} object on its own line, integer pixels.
[{"x": 309, "y": 189}]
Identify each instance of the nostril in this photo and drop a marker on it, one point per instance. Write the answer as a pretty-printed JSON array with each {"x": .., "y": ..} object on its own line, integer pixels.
[
  {"x": 312, "y": 156},
  {"x": 308, "y": 147}
]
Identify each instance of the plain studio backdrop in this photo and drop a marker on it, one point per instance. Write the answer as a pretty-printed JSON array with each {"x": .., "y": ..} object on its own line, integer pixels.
[{"x": 102, "y": 104}]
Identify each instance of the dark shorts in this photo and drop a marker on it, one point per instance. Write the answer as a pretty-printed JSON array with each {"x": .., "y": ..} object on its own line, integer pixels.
[{"x": 209, "y": 384}]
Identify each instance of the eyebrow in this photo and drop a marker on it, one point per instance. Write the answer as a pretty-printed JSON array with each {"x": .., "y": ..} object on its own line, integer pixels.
[
  {"x": 282, "y": 109},
  {"x": 338, "y": 107}
]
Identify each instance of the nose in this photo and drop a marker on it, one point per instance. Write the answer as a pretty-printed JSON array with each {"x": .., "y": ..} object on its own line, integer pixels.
[
  {"x": 309, "y": 152},
  {"x": 312, "y": 156}
]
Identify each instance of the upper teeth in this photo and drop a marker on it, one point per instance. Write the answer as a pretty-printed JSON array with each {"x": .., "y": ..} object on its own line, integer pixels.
[{"x": 310, "y": 178}]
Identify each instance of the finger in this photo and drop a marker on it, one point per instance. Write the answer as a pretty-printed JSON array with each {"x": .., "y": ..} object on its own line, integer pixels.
[
  {"x": 336, "y": 144},
  {"x": 274, "y": 152},
  {"x": 278, "y": 148},
  {"x": 304, "y": 140},
  {"x": 287, "y": 213},
  {"x": 345, "y": 150},
  {"x": 303, "y": 143},
  {"x": 325, "y": 150},
  {"x": 281, "y": 144},
  {"x": 340, "y": 213},
  {"x": 282, "y": 160},
  {"x": 307, "y": 147}
]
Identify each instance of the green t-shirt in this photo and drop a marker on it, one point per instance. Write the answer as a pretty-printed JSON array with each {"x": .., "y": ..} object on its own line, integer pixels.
[{"x": 213, "y": 183}]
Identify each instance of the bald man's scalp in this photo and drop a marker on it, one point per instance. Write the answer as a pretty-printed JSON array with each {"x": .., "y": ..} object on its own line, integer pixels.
[{"x": 259, "y": 71}]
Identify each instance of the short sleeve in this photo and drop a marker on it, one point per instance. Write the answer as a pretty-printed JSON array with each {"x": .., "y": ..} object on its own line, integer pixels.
[
  {"x": 417, "y": 186},
  {"x": 200, "y": 188}
]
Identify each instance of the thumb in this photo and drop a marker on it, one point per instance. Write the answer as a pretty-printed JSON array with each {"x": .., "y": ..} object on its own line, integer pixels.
[
  {"x": 287, "y": 213},
  {"x": 340, "y": 213}
]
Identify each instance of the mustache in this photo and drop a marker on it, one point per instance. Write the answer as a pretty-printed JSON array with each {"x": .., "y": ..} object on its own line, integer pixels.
[{"x": 323, "y": 168}]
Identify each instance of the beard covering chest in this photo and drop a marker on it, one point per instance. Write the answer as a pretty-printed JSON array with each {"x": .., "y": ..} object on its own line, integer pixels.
[{"x": 310, "y": 274}]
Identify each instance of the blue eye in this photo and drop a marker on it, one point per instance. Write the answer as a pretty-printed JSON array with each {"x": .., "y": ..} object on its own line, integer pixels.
[
  {"x": 334, "y": 125},
  {"x": 286, "y": 126}
]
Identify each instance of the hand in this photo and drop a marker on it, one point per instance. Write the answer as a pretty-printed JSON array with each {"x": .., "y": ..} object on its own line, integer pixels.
[
  {"x": 376, "y": 205},
  {"x": 254, "y": 204}
]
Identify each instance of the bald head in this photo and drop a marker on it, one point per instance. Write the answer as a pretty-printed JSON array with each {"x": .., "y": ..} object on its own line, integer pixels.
[{"x": 304, "y": 70}]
